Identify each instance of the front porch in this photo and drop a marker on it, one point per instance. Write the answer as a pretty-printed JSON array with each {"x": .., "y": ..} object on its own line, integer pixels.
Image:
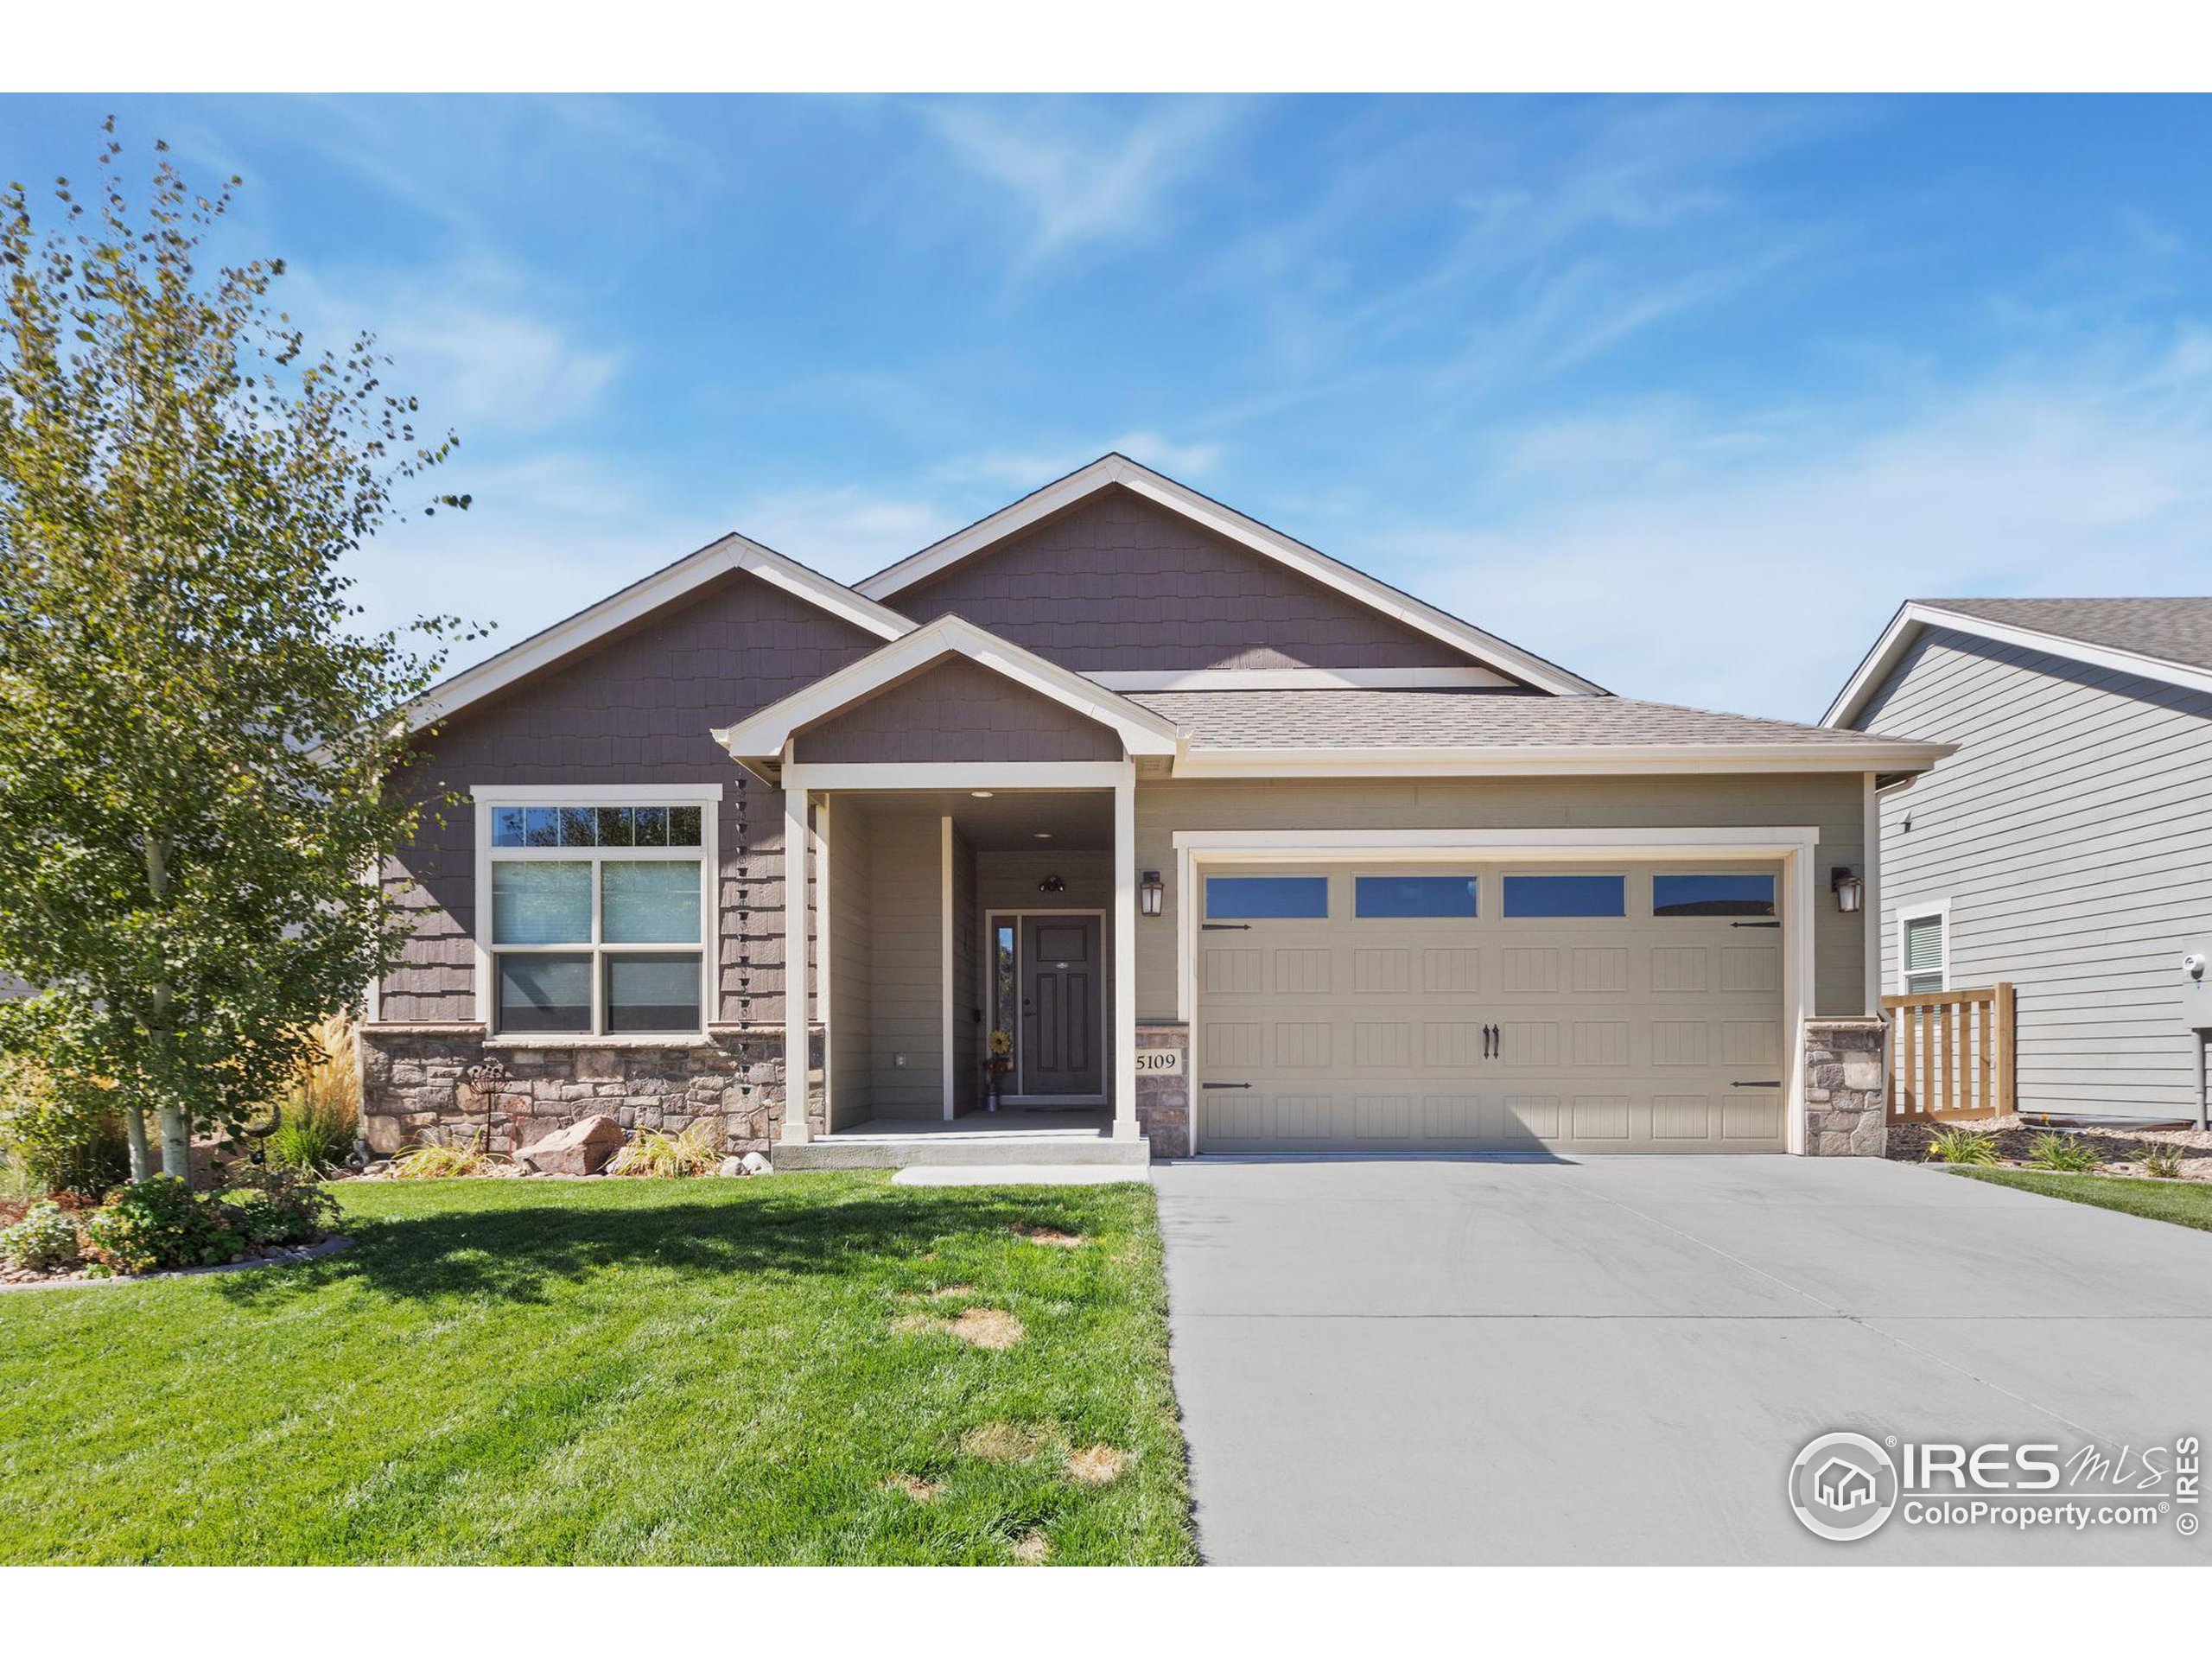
[
  {"x": 940, "y": 917},
  {"x": 1012, "y": 1135}
]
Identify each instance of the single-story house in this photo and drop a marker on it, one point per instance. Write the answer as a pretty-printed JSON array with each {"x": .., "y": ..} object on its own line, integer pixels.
[
  {"x": 1231, "y": 848},
  {"x": 2066, "y": 849}
]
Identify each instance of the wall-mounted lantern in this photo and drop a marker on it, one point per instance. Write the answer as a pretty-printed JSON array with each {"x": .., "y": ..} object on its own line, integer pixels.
[
  {"x": 1150, "y": 893},
  {"x": 1052, "y": 884},
  {"x": 1848, "y": 888}
]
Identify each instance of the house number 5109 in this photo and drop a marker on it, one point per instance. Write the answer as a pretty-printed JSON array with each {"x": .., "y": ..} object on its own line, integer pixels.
[{"x": 1161, "y": 1062}]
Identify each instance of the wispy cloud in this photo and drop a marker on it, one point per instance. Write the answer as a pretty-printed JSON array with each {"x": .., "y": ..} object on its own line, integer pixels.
[
  {"x": 1081, "y": 171},
  {"x": 845, "y": 533},
  {"x": 1710, "y": 560}
]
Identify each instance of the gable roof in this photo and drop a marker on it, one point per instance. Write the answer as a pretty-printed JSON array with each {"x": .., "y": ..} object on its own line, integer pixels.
[
  {"x": 1350, "y": 731},
  {"x": 1111, "y": 470},
  {"x": 2164, "y": 639},
  {"x": 760, "y": 737},
  {"x": 641, "y": 599}
]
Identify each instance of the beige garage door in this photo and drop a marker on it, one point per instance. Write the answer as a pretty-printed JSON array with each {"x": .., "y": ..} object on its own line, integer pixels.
[{"x": 1489, "y": 1007}]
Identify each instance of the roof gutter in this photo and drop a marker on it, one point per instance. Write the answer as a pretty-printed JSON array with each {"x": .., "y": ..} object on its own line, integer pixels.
[{"x": 1588, "y": 760}]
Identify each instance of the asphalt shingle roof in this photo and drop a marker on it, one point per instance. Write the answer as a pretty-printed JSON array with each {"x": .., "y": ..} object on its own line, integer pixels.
[
  {"x": 2171, "y": 630},
  {"x": 1455, "y": 719}
]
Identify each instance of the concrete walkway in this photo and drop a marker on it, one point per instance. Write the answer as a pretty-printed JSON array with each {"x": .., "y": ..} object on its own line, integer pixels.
[{"x": 1616, "y": 1360}]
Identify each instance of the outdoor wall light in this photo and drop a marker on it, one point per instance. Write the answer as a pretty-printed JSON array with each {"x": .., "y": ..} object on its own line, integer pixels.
[
  {"x": 1848, "y": 888},
  {"x": 1052, "y": 884},
  {"x": 1150, "y": 893}
]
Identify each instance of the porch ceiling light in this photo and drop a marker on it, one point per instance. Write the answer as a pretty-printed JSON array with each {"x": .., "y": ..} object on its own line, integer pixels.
[
  {"x": 980, "y": 794},
  {"x": 1042, "y": 835},
  {"x": 1150, "y": 893},
  {"x": 1848, "y": 888}
]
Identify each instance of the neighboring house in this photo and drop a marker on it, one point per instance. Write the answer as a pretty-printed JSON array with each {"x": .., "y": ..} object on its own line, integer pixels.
[
  {"x": 2067, "y": 847},
  {"x": 1191, "y": 811}
]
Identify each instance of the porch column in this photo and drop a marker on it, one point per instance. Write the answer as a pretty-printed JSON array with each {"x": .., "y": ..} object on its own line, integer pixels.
[
  {"x": 1125, "y": 954},
  {"x": 795, "y": 1033}
]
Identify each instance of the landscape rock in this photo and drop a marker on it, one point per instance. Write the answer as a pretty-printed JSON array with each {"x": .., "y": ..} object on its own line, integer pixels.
[
  {"x": 732, "y": 1167},
  {"x": 582, "y": 1148},
  {"x": 756, "y": 1164}
]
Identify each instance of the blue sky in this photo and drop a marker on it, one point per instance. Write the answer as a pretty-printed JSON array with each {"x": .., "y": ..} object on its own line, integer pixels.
[{"x": 1687, "y": 394}]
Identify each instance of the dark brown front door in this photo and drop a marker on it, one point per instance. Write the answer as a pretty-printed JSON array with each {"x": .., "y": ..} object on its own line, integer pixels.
[{"x": 1063, "y": 1006}]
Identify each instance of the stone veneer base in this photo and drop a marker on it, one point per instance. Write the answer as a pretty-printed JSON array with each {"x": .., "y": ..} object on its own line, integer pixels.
[
  {"x": 446, "y": 1083},
  {"x": 1847, "y": 1095},
  {"x": 1163, "y": 1098}
]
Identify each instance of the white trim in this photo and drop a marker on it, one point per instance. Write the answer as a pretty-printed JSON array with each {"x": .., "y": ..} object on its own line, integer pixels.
[
  {"x": 987, "y": 965},
  {"x": 1920, "y": 910},
  {"x": 594, "y": 794},
  {"x": 1558, "y": 759},
  {"x": 794, "y": 1131},
  {"x": 488, "y": 797},
  {"x": 1296, "y": 679},
  {"x": 641, "y": 599},
  {"x": 931, "y": 774},
  {"x": 1115, "y": 470},
  {"x": 823, "y": 934},
  {"x": 1795, "y": 846},
  {"x": 1125, "y": 957},
  {"x": 1915, "y": 614},
  {"x": 1870, "y": 894},
  {"x": 766, "y": 734},
  {"x": 945, "y": 960}
]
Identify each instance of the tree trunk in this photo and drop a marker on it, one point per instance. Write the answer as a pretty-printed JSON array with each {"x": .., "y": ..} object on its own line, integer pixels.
[
  {"x": 176, "y": 1127},
  {"x": 176, "y": 1143},
  {"x": 133, "y": 1129}
]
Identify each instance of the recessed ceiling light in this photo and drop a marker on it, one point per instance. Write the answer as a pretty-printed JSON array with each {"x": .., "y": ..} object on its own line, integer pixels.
[
  {"x": 980, "y": 794},
  {"x": 1043, "y": 835}
]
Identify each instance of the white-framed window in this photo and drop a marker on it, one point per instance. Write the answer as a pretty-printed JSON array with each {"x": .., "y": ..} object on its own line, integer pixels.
[
  {"x": 595, "y": 911},
  {"x": 1924, "y": 948}
]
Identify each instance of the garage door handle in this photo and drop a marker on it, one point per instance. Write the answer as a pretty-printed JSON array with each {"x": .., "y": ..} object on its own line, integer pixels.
[
  {"x": 1225, "y": 1085},
  {"x": 1769, "y": 1082}
]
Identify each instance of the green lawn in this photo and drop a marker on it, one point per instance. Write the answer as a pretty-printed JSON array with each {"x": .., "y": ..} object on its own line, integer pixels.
[
  {"x": 614, "y": 1372},
  {"x": 2186, "y": 1204}
]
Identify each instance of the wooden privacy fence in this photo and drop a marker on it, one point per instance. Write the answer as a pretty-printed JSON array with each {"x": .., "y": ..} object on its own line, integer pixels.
[{"x": 1951, "y": 1054}]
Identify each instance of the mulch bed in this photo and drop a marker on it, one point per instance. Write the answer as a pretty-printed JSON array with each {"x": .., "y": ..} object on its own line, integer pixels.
[
  {"x": 276, "y": 1257},
  {"x": 2121, "y": 1149}
]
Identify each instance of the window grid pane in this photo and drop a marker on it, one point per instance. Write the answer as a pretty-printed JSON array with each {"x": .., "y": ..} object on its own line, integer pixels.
[
  {"x": 643, "y": 902},
  {"x": 541, "y": 903},
  {"x": 1411, "y": 896},
  {"x": 1268, "y": 897},
  {"x": 1712, "y": 895},
  {"x": 652, "y": 992},
  {"x": 1566, "y": 895},
  {"x": 543, "y": 992}
]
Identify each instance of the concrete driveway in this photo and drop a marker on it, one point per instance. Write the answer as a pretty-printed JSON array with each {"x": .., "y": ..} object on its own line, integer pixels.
[{"x": 1616, "y": 1360}]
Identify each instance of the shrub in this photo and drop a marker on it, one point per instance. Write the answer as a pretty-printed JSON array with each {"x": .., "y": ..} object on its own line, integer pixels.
[
  {"x": 278, "y": 1206},
  {"x": 2051, "y": 1150},
  {"x": 44, "y": 1240},
  {"x": 1960, "y": 1146},
  {"x": 697, "y": 1151},
  {"x": 159, "y": 1223},
  {"x": 322, "y": 1116},
  {"x": 62, "y": 1135},
  {"x": 436, "y": 1163},
  {"x": 2162, "y": 1162}
]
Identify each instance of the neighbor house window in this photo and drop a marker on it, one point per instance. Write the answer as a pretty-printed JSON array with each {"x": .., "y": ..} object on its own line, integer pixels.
[
  {"x": 1712, "y": 895},
  {"x": 1401, "y": 896},
  {"x": 1925, "y": 951},
  {"x": 1567, "y": 895},
  {"x": 1266, "y": 898},
  {"x": 598, "y": 916}
]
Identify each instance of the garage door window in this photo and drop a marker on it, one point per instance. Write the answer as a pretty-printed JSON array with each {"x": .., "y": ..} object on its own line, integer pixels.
[
  {"x": 1712, "y": 895},
  {"x": 1402, "y": 896},
  {"x": 1567, "y": 895},
  {"x": 1266, "y": 898}
]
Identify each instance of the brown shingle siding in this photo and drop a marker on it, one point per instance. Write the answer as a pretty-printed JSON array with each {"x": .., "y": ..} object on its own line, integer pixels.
[
  {"x": 956, "y": 710},
  {"x": 1119, "y": 583}
]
